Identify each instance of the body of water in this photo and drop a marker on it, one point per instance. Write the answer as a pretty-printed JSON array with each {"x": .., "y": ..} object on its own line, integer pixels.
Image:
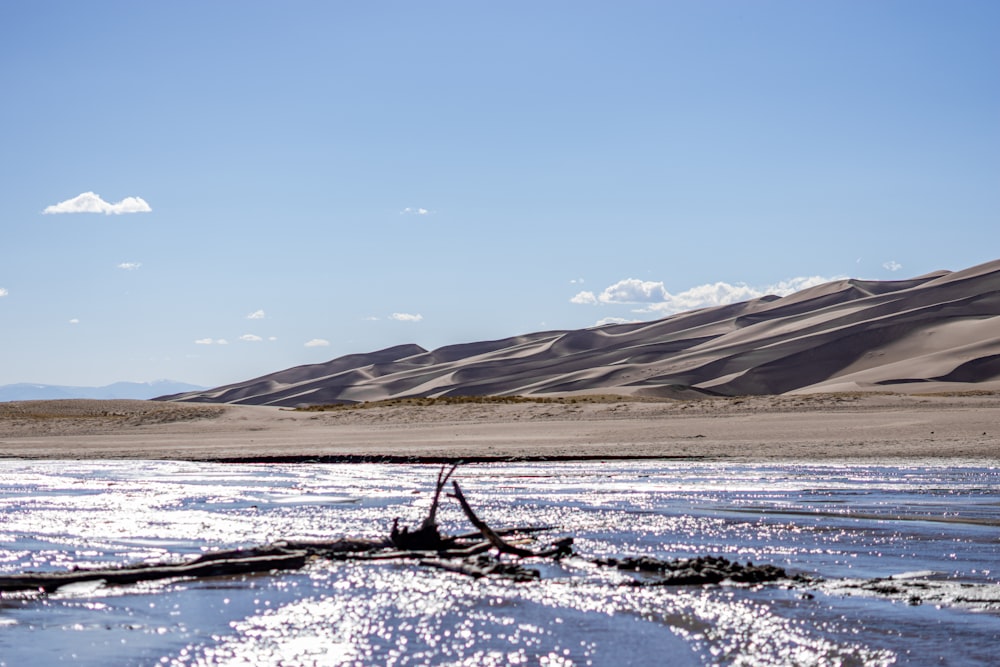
[{"x": 902, "y": 562}]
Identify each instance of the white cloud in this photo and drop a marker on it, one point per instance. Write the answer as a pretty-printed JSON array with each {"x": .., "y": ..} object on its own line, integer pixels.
[
  {"x": 88, "y": 202},
  {"x": 209, "y": 341},
  {"x": 633, "y": 290},
  {"x": 74, "y": 321},
  {"x": 793, "y": 285},
  {"x": 317, "y": 342},
  {"x": 576, "y": 281},
  {"x": 613, "y": 320},
  {"x": 702, "y": 296},
  {"x": 892, "y": 265},
  {"x": 3, "y": 292},
  {"x": 414, "y": 211},
  {"x": 251, "y": 338},
  {"x": 256, "y": 315},
  {"x": 658, "y": 300},
  {"x": 721, "y": 294},
  {"x": 129, "y": 266},
  {"x": 406, "y": 317},
  {"x": 272, "y": 338}
]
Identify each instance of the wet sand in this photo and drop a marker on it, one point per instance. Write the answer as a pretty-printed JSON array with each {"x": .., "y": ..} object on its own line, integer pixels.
[{"x": 809, "y": 427}]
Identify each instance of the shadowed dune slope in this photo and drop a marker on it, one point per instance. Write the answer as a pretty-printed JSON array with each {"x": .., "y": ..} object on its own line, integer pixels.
[{"x": 936, "y": 332}]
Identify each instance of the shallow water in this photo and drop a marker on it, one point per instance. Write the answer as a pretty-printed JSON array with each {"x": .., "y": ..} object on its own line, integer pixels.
[{"x": 937, "y": 525}]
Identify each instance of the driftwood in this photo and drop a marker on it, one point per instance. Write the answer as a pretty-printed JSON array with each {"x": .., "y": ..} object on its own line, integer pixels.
[
  {"x": 469, "y": 554},
  {"x": 428, "y": 535},
  {"x": 693, "y": 571},
  {"x": 484, "y": 566},
  {"x": 557, "y": 550},
  {"x": 257, "y": 560}
]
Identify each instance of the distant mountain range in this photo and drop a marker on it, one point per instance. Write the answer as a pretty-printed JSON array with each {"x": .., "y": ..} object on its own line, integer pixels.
[
  {"x": 133, "y": 390},
  {"x": 937, "y": 332}
]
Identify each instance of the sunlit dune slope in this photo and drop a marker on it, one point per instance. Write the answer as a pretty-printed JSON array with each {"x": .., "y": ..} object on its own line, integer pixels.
[{"x": 938, "y": 332}]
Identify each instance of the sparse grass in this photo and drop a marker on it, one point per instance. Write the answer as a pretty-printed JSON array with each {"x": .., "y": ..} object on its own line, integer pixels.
[
  {"x": 427, "y": 401},
  {"x": 107, "y": 411},
  {"x": 748, "y": 402},
  {"x": 959, "y": 394}
]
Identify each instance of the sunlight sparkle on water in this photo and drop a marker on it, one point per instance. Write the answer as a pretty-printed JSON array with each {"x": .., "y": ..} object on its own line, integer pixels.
[{"x": 847, "y": 524}]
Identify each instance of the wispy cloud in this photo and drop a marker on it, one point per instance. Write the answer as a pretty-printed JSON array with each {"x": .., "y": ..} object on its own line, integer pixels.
[
  {"x": 211, "y": 341},
  {"x": 414, "y": 211},
  {"x": 655, "y": 298},
  {"x": 3, "y": 292},
  {"x": 256, "y": 315},
  {"x": 614, "y": 320},
  {"x": 89, "y": 202},
  {"x": 75, "y": 320},
  {"x": 251, "y": 338},
  {"x": 317, "y": 342},
  {"x": 406, "y": 317},
  {"x": 892, "y": 265},
  {"x": 129, "y": 266}
]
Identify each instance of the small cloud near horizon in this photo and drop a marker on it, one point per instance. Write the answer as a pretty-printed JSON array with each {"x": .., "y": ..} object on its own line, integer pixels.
[
  {"x": 251, "y": 338},
  {"x": 256, "y": 315},
  {"x": 74, "y": 320},
  {"x": 210, "y": 341},
  {"x": 892, "y": 265},
  {"x": 414, "y": 211},
  {"x": 129, "y": 266},
  {"x": 317, "y": 342},
  {"x": 614, "y": 320},
  {"x": 89, "y": 202},
  {"x": 406, "y": 317}
]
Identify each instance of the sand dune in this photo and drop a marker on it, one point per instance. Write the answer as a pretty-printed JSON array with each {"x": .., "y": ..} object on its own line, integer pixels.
[{"x": 937, "y": 332}]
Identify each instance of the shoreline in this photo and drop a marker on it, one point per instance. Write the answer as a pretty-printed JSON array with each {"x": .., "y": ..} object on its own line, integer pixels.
[{"x": 833, "y": 427}]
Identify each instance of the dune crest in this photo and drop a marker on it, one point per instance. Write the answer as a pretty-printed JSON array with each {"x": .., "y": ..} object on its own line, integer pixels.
[{"x": 937, "y": 332}]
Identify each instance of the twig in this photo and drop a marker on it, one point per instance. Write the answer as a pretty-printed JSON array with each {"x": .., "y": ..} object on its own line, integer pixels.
[{"x": 431, "y": 519}]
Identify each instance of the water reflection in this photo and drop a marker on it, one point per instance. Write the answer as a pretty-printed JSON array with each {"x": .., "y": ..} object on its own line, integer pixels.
[{"x": 843, "y": 523}]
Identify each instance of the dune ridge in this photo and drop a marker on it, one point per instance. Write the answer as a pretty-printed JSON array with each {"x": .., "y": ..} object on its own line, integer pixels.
[{"x": 936, "y": 332}]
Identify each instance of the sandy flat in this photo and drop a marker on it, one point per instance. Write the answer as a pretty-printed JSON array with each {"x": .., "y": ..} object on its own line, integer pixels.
[{"x": 811, "y": 427}]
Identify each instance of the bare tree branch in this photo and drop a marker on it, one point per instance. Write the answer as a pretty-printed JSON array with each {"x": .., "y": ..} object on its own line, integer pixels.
[{"x": 487, "y": 532}]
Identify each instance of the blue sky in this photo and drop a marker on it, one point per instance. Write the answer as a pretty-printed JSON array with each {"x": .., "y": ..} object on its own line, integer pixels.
[{"x": 272, "y": 184}]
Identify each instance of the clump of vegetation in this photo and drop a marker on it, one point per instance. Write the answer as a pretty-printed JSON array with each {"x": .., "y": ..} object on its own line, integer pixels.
[
  {"x": 960, "y": 394},
  {"x": 428, "y": 401}
]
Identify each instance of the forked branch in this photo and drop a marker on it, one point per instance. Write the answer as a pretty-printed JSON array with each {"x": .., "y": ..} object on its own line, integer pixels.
[{"x": 558, "y": 549}]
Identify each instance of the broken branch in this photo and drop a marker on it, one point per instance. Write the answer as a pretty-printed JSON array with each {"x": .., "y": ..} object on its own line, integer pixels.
[{"x": 483, "y": 528}]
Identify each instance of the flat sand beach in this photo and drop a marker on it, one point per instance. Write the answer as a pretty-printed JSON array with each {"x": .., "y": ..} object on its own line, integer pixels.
[{"x": 807, "y": 427}]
